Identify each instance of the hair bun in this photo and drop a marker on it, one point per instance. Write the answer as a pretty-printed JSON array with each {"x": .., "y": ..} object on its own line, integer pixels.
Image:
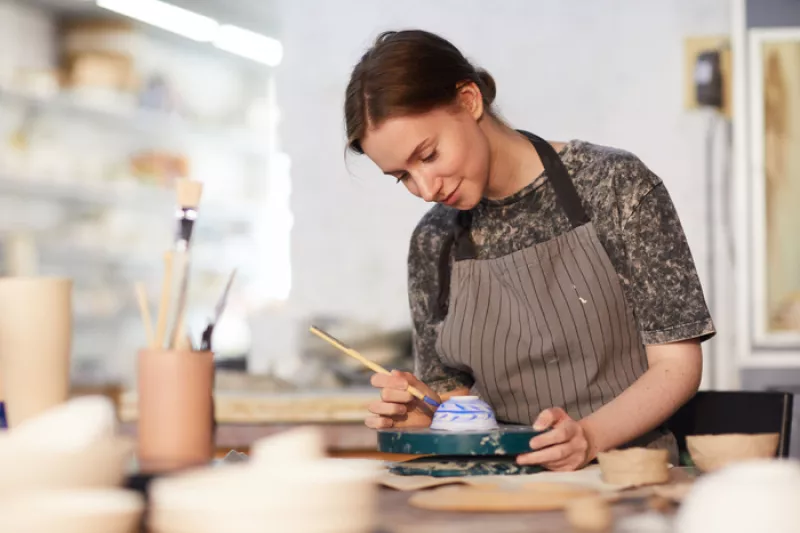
[{"x": 488, "y": 87}]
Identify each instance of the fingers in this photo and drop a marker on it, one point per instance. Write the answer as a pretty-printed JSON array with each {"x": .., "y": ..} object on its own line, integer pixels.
[
  {"x": 549, "y": 417},
  {"x": 396, "y": 396},
  {"x": 562, "y": 448},
  {"x": 378, "y": 422},
  {"x": 553, "y": 454},
  {"x": 395, "y": 380},
  {"x": 560, "y": 433},
  {"x": 387, "y": 409}
]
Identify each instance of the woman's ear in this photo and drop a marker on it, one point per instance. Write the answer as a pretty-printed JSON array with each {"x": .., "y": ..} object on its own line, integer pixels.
[{"x": 470, "y": 99}]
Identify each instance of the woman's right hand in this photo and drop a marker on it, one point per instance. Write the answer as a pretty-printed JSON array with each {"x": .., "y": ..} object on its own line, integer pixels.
[{"x": 398, "y": 407}]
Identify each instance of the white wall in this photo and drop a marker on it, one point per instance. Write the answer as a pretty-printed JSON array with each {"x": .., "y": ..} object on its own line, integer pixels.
[{"x": 607, "y": 71}]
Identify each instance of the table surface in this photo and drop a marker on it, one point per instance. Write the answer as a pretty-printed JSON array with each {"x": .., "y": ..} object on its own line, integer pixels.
[{"x": 397, "y": 516}]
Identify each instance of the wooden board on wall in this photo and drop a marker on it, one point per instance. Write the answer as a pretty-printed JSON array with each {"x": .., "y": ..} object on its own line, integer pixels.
[{"x": 692, "y": 47}]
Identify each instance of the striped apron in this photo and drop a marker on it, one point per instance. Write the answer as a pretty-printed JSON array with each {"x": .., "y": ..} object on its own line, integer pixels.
[{"x": 547, "y": 325}]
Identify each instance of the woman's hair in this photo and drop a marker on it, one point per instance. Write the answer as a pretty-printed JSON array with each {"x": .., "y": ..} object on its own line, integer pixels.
[{"x": 406, "y": 73}]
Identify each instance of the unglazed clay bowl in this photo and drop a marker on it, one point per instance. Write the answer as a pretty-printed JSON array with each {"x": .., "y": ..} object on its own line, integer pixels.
[
  {"x": 72, "y": 511},
  {"x": 713, "y": 452},
  {"x": 71, "y": 426},
  {"x": 634, "y": 467},
  {"x": 317, "y": 496},
  {"x": 33, "y": 466},
  {"x": 757, "y": 495},
  {"x": 464, "y": 413}
]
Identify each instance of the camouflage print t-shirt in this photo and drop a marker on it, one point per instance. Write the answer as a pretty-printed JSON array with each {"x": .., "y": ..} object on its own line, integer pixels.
[{"x": 635, "y": 221}]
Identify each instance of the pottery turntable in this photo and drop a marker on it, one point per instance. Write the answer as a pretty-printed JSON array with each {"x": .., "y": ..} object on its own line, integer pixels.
[
  {"x": 464, "y": 440},
  {"x": 464, "y": 453}
]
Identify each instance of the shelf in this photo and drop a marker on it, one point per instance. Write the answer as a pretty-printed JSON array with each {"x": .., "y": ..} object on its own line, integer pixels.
[
  {"x": 152, "y": 123},
  {"x": 80, "y": 256},
  {"x": 127, "y": 195}
]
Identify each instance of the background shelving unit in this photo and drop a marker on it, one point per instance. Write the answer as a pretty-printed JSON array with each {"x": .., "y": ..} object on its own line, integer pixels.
[{"x": 75, "y": 202}]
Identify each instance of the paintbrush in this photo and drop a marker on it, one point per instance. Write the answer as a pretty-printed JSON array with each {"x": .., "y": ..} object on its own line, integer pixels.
[
  {"x": 144, "y": 310},
  {"x": 189, "y": 194},
  {"x": 205, "y": 342},
  {"x": 375, "y": 367},
  {"x": 163, "y": 304}
]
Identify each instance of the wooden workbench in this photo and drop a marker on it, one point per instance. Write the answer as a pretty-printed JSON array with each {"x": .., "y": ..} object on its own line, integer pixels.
[
  {"x": 397, "y": 516},
  {"x": 246, "y": 416}
]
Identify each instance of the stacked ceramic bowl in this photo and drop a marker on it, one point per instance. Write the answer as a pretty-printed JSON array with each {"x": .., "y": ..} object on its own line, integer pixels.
[
  {"x": 288, "y": 485},
  {"x": 72, "y": 511},
  {"x": 61, "y": 472},
  {"x": 744, "y": 497}
]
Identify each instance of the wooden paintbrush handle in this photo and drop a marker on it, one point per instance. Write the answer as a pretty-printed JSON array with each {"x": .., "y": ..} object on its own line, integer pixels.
[
  {"x": 364, "y": 361},
  {"x": 144, "y": 309},
  {"x": 183, "y": 289},
  {"x": 163, "y": 305}
]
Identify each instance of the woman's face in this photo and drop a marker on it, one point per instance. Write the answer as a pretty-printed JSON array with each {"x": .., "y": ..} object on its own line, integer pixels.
[{"x": 440, "y": 156}]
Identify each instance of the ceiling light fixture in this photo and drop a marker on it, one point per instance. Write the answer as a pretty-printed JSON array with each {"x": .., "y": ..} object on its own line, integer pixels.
[
  {"x": 166, "y": 16},
  {"x": 249, "y": 44}
]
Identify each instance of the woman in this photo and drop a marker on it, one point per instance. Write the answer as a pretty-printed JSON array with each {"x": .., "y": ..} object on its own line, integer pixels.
[{"x": 552, "y": 279}]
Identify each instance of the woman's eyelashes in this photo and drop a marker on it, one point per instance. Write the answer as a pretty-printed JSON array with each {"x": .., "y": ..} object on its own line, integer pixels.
[{"x": 430, "y": 158}]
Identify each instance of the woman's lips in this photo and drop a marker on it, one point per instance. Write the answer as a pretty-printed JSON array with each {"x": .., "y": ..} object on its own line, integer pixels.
[{"x": 452, "y": 198}]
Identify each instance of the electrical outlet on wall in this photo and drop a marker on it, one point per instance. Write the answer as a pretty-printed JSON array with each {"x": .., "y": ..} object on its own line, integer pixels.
[{"x": 699, "y": 61}]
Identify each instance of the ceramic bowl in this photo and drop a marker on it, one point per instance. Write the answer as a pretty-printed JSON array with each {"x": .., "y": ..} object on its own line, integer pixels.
[
  {"x": 287, "y": 485},
  {"x": 72, "y": 511},
  {"x": 320, "y": 496},
  {"x": 36, "y": 466},
  {"x": 633, "y": 467},
  {"x": 464, "y": 413},
  {"x": 712, "y": 452},
  {"x": 750, "y": 496},
  {"x": 70, "y": 426}
]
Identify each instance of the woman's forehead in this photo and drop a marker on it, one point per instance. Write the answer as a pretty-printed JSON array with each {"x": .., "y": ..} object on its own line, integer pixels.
[{"x": 392, "y": 141}]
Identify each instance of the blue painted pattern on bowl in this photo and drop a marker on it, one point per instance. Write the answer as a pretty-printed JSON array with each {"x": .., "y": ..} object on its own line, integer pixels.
[{"x": 464, "y": 413}]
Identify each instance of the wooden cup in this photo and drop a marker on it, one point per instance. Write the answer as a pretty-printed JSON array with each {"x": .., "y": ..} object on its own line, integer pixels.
[
  {"x": 175, "y": 405},
  {"x": 35, "y": 345}
]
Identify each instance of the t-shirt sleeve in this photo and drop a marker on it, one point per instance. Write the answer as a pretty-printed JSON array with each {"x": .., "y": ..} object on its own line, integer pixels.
[
  {"x": 663, "y": 284},
  {"x": 423, "y": 259}
]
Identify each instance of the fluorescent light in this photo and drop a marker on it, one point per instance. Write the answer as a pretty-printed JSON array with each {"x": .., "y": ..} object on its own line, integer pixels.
[
  {"x": 166, "y": 16},
  {"x": 249, "y": 44}
]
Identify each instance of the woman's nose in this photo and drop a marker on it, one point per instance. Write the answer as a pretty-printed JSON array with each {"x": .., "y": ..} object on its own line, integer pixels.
[{"x": 429, "y": 187}]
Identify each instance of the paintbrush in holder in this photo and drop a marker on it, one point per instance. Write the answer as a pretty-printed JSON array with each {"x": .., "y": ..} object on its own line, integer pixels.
[
  {"x": 176, "y": 266},
  {"x": 175, "y": 382},
  {"x": 189, "y": 194},
  {"x": 205, "y": 343}
]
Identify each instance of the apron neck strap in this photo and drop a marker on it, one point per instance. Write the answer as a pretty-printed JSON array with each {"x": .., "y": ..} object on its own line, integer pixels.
[
  {"x": 559, "y": 178},
  {"x": 567, "y": 197}
]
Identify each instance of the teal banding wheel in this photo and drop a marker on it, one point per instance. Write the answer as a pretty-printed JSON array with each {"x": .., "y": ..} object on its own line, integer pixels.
[
  {"x": 462, "y": 453},
  {"x": 460, "y": 465},
  {"x": 505, "y": 440}
]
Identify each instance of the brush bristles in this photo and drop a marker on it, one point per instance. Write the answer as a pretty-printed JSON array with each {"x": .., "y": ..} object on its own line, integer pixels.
[{"x": 189, "y": 193}]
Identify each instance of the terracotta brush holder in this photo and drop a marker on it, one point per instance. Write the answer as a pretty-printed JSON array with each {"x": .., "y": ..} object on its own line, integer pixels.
[
  {"x": 175, "y": 405},
  {"x": 633, "y": 467}
]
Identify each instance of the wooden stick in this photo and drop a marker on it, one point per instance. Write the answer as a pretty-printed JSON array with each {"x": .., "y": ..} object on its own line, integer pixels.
[
  {"x": 183, "y": 289},
  {"x": 144, "y": 310},
  {"x": 184, "y": 343},
  {"x": 375, "y": 367},
  {"x": 163, "y": 306}
]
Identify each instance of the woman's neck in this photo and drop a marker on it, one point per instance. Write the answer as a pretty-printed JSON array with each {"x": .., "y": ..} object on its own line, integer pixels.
[{"x": 513, "y": 161}]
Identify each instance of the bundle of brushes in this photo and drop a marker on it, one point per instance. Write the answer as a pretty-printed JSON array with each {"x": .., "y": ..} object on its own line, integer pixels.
[{"x": 172, "y": 307}]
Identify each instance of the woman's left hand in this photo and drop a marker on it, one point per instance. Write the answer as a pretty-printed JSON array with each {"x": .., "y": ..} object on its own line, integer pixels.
[{"x": 565, "y": 447}]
